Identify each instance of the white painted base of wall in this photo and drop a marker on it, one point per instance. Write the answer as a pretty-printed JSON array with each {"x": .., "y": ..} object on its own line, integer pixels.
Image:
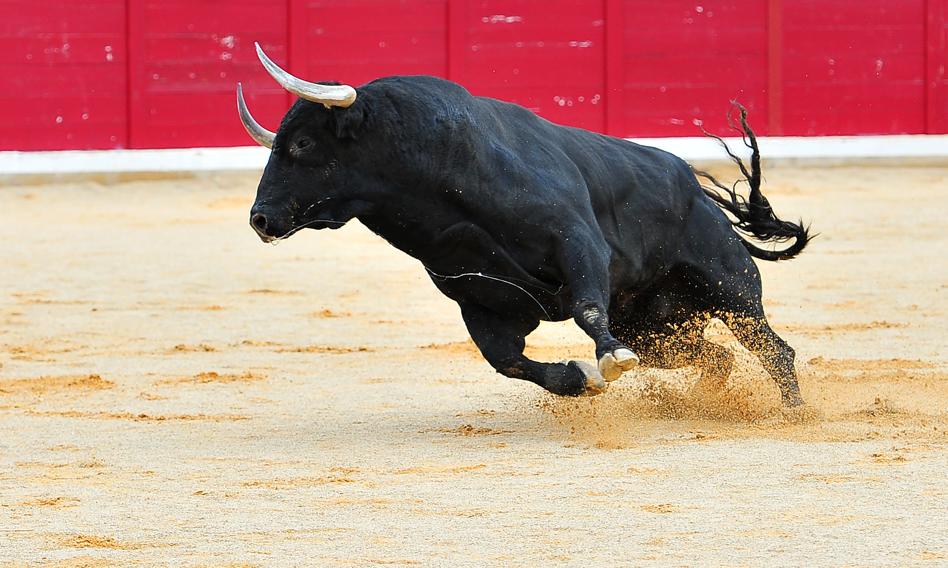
[
  {"x": 839, "y": 148},
  {"x": 810, "y": 147}
]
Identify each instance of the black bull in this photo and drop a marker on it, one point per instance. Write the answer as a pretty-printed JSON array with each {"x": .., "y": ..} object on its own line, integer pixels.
[{"x": 520, "y": 220}]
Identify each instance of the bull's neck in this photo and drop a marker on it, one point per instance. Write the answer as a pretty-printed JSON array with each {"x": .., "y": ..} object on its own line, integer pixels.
[
  {"x": 413, "y": 212},
  {"x": 409, "y": 236},
  {"x": 412, "y": 227}
]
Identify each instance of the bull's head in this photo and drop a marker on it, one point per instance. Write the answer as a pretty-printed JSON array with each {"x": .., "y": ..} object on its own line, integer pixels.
[{"x": 305, "y": 181}]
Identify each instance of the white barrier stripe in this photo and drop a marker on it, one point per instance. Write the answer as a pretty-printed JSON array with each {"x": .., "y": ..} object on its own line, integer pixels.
[
  {"x": 800, "y": 147},
  {"x": 254, "y": 157}
]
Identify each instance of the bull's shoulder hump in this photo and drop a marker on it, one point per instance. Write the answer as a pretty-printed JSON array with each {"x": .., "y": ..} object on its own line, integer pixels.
[{"x": 417, "y": 86}]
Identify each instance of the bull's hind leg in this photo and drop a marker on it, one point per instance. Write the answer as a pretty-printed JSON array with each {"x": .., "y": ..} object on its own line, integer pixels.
[
  {"x": 673, "y": 345},
  {"x": 501, "y": 340},
  {"x": 737, "y": 301},
  {"x": 675, "y": 351},
  {"x": 750, "y": 327}
]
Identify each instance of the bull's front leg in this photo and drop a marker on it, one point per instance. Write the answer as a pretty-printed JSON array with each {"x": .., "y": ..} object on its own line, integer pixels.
[
  {"x": 501, "y": 340},
  {"x": 585, "y": 265}
]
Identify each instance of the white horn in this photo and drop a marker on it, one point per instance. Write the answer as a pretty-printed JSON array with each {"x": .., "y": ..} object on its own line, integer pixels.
[
  {"x": 263, "y": 136},
  {"x": 328, "y": 95}
]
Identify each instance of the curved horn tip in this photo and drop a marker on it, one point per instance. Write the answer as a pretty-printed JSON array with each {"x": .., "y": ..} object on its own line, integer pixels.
[
  {"x": 260, "y": 134},
  {"x": 328, "y": 95},
  {"x": 259, "y": 49}
]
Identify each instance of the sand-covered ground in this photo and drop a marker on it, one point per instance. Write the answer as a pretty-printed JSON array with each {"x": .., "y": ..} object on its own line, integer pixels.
[{"x": 173, "y": 391}]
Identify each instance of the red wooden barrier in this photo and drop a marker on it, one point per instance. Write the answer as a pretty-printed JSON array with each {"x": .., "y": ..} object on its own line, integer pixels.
[{"x": 161, "y": 73}]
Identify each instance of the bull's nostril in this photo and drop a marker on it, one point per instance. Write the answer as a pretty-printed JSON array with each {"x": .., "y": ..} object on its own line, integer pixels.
[{"x": 259, "y": 221}]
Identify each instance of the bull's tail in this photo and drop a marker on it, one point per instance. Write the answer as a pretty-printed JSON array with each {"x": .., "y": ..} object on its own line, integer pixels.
[{"x": 753, "y": 216}]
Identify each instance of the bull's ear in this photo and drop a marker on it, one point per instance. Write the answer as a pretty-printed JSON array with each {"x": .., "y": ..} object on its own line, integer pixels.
[{"x": 348, "y": 122}]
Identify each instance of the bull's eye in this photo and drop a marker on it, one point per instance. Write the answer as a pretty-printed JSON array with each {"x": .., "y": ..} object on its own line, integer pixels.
[{"x": 302, "y": 147}]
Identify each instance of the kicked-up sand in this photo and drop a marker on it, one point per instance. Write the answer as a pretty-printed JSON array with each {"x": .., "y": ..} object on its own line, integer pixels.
[{"x": 175, "y": 392}]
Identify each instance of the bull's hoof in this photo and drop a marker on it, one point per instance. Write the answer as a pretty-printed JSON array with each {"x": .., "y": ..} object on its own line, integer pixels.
[
  {"x": 613, "y": 364},
  {"x": 595, "y": 383},
  {"x": 574, "y": 378}
]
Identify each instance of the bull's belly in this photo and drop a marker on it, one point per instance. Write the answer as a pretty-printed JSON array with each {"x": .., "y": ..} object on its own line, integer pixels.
[
  {"x": 505, "y": 295},
  {"x": 468, "y": 265}
]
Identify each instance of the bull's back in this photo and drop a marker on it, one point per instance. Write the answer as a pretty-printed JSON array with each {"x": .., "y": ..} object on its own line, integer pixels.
[
  {"x": 641, "y": 197},
  {"x": 536, "y": 171},
  {"x": 613, "y": 170}
]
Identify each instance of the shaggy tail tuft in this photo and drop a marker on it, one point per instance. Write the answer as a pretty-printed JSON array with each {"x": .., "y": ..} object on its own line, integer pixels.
[{"x": 753, "y": 216}]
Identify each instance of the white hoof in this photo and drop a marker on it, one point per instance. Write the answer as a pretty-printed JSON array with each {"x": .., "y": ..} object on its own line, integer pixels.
[
  {"x": 595, "y": 384},
  {"x": 612, "y": 365}
]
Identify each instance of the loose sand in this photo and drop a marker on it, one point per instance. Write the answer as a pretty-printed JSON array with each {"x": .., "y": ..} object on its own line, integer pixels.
[{"x": 174, "y": 391}]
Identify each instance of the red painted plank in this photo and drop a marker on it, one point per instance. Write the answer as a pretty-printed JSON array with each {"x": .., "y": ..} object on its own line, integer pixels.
[
  {"x": 843, "y": 14},
  {"x": 183, "y": 17},
  {"x": 186, "y": 58},
  {"x": 885, "y": 39},
  {"x": 355, "y": 41},
  {"x": 77, "y": 136},
  {"x": 568, "y": 105},
  {"x": 679, "y": 14},
  {"x": 852, "y": 111},
  {"x": 858, "y": 68},
  {"x": 54, "y": 116},
  {"x": 614, "y": 74},
  {"x": 936, "y": 61},
  {"x": 59, "y": 49},
  {"x": 393, "y": 50},
  {"x": 702, "y": 69},
  {"x": 374, "y": 16},
  {"x": 546, "y": 55},
  {"x": 847, "y": 68},
  {"x": 25, "y": 18},
  {"x": 62, "y": 75},
  {"x": 684, "y": 61},
  {"x": 455, "y": 39},
  {"x": 775, "y": 46},
  {"x": 684, "y": 110}
]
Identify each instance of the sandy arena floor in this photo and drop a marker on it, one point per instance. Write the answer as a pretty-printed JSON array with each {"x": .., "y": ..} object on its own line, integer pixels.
[{"x": 173, "y": 391}]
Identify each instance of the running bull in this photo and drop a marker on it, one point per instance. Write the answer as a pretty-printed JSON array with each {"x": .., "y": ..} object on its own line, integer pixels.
[{"x": 520, "y": 220}]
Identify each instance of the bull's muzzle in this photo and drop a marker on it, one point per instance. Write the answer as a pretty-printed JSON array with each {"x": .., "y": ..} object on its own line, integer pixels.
[{"x": 267, "y": 225}]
